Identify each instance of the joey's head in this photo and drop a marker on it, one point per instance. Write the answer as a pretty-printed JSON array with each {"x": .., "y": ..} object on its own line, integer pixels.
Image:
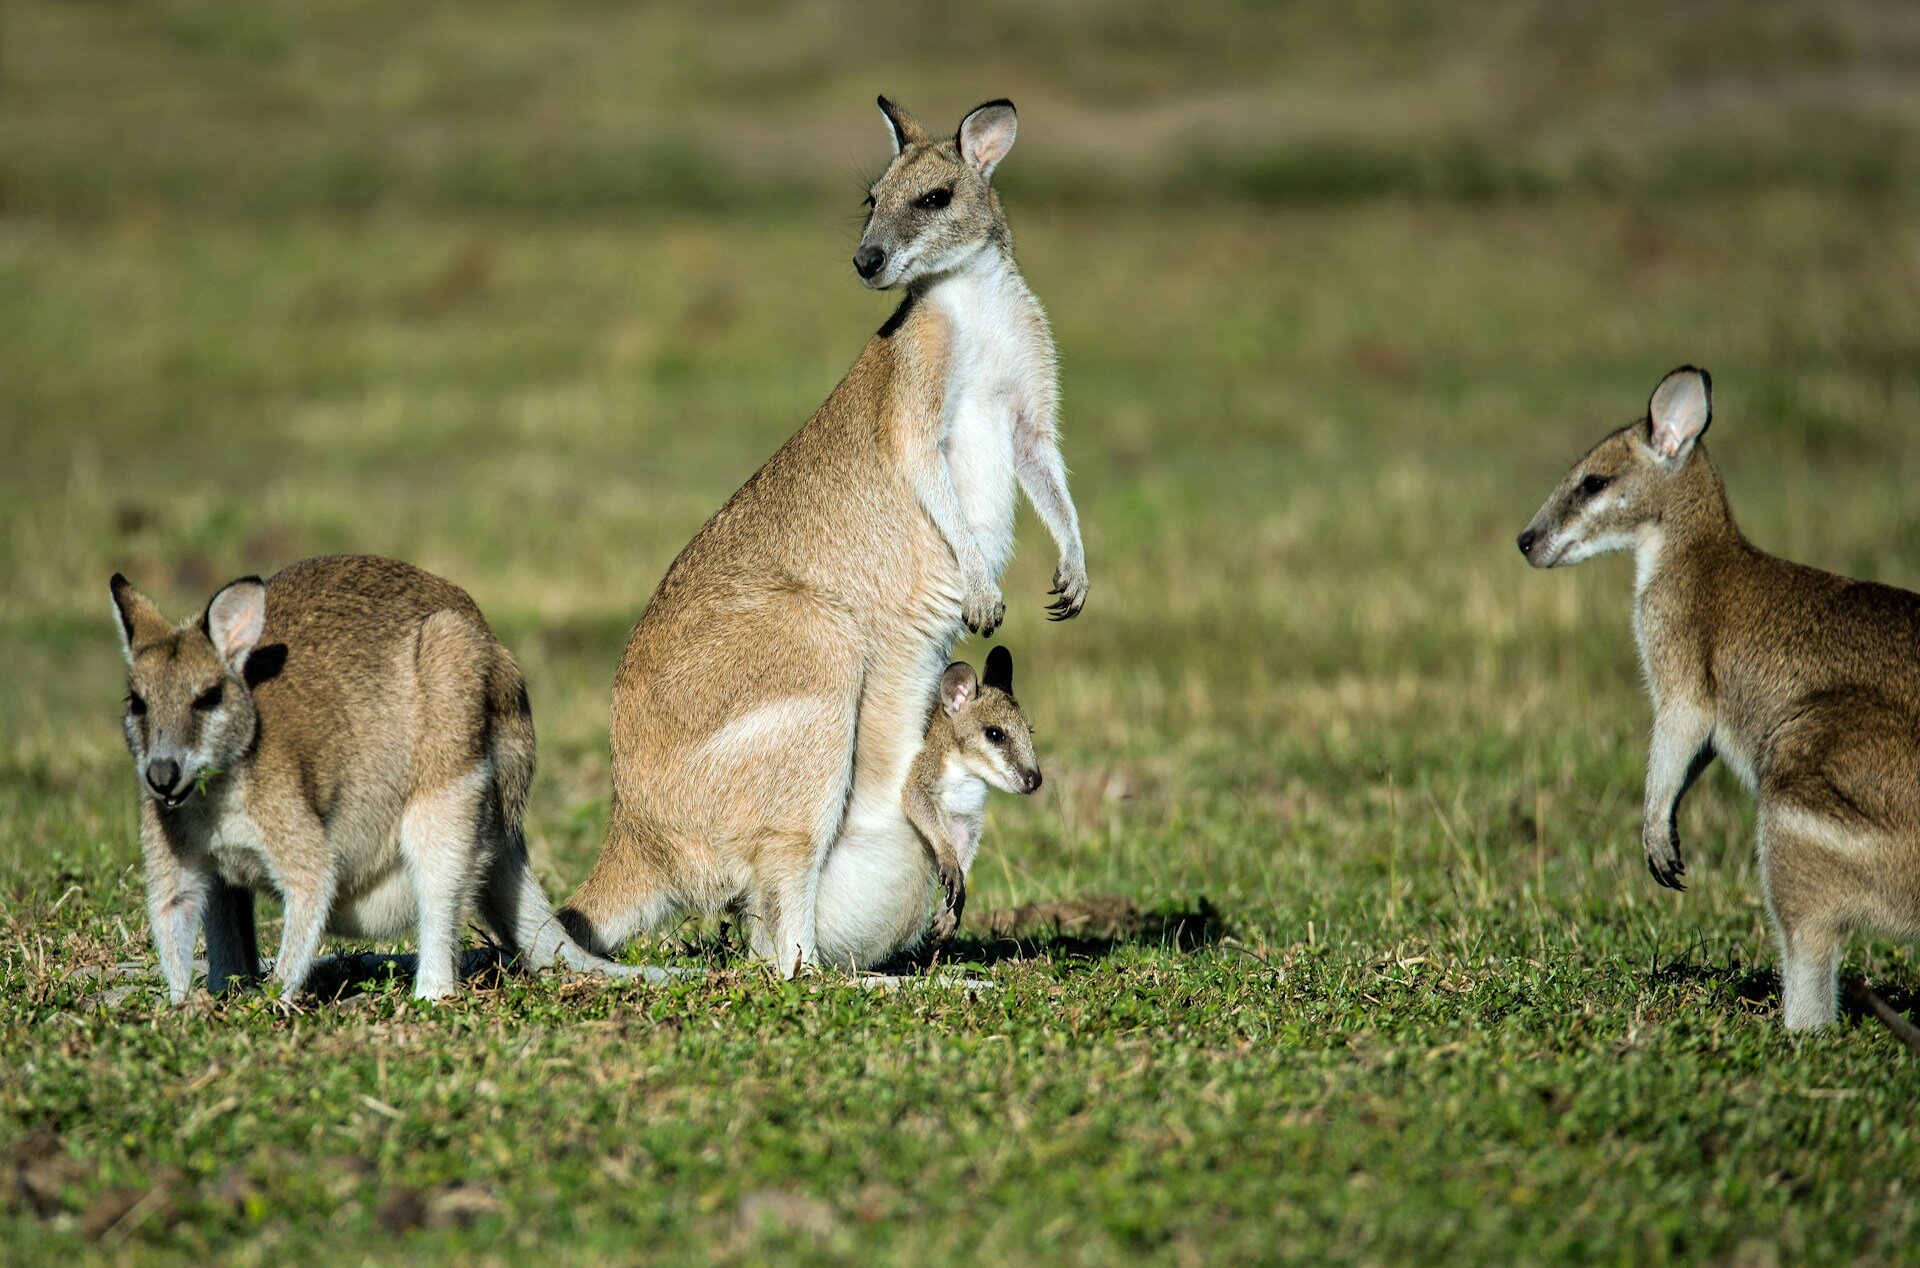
[
  {"x": 1627, "y": 484},
  {"x": 995, "y": 740},
  {"x": 934, "y": 208},
  {"x": 190, "y": 712}
]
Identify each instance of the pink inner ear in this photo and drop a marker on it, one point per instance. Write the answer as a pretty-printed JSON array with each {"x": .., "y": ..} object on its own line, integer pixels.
[
  {"x": 988, "y": 143},
  {"x": 957, "y": 698}
]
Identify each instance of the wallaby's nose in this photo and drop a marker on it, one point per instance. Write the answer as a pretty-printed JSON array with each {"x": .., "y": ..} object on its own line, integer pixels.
[
  {"x": 162, "y": 774},
  {"x": 1526, "y": 543},
  {"x": 869, "y": 260},
  {"x": 1032, "y": 780}
]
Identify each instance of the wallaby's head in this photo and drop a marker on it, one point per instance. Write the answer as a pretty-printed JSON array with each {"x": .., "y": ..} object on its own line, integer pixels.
[
  {"x": 993, "y": 736},
  {"x": 190, "y": 711},
  {"x": 934, "y": 206},
  {"x": 1624, "y": 486}
]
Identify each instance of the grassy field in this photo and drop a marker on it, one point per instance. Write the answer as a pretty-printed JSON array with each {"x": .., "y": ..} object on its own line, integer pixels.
[{"x": 522, "y": 297}]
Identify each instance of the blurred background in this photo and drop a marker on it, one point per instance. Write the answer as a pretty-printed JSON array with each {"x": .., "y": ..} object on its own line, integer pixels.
[{"x": 522, "y": 292}]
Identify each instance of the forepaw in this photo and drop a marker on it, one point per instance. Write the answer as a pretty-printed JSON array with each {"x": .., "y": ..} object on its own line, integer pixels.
[
  {"x": 983, "y": 609},
  {"x": 1663, "y": 859},
  {"x": 1070, "y": 587}
]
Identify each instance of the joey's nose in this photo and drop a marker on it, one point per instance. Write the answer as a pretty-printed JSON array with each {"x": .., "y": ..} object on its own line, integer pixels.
[
  {"x": 869, "y": 260},
  {"x": 1526, "y": 543},
  {"x": 1032, "y": 780},
  {"x": 162, "y": 774}
]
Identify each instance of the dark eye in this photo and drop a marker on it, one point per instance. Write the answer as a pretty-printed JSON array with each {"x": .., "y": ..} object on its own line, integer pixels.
[
  {"x": 1593, "y": 484},
  {"x": 135, "y": 705},
  {"x": 868, "y": 201},
  {"x": 996, "y": 736},
  {"x": 935, "y": 200},
  {"x": 210, "y": 698}
]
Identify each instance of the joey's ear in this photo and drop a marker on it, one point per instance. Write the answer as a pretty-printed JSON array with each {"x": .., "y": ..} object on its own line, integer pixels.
[
  {"x": 957, "y": 687},
  {"x": 1679, "y": 412},
  {"x": 134, "y": 615},
  {"x": 235, "y": 618},
  {"x": 986, "y": 134},
  {"x": 901, "y": 126},
  {"x": 999, "y": 670}
]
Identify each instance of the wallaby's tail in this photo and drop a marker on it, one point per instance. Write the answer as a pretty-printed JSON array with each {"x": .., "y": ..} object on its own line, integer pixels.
[{"x": 515, "y": 905}]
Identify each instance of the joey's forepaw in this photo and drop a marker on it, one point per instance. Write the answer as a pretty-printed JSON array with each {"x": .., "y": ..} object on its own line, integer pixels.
[
  {"x": 946, "y": 921},
  {"x": 1070, "y": 585},
  {"x": 983, "y": 609},
  {"x": 1663, "y": 858}
]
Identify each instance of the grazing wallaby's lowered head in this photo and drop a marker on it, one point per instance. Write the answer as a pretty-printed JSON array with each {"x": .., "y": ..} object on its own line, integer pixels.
[
  {"x": 1806, "y": 684},
  {"x": 189, "y": 707},
  {"x": 349, "y": 736},
  {"x": 935, "y": 206},
  {"x": 1623, "y": 490}
]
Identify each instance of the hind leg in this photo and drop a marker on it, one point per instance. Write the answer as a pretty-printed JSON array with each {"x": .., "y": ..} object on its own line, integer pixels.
[
  {"x": 1808, "y": 881},
  {"x": 440, "y": 845}
]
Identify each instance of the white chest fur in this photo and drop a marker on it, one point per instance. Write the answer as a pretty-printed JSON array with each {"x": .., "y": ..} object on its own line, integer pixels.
[
  {"x": 1001, "y": 366},
  {"x": 962, "y": 798}
]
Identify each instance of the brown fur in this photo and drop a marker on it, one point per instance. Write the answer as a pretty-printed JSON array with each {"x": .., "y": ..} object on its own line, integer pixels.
[
  {"x": 1807, "y": 683},
  {"x": 778, "y": 681},
  {"x": 368, "y": 762}
]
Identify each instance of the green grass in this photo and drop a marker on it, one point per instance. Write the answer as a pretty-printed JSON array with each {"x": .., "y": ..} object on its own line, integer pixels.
[{"x": 1338, "y": 296}]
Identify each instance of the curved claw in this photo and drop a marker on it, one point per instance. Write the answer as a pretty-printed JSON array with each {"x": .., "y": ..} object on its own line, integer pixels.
[{"x": 1670, "y": 877}]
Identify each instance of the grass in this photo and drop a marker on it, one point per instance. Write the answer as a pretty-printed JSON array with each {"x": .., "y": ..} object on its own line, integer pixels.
[{"x": 258, "y": 303}]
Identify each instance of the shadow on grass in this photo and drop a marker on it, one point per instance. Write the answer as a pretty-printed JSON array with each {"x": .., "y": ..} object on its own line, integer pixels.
[
  {"x": 1762, "y": 987},
  {"x": 1090, "y": 928}
]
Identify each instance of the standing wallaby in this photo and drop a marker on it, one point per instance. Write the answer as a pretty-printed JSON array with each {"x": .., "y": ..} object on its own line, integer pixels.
[
  {"x": 775, "y": 690},
  {"x": 874, "y": 892},
  {"x": 350, "y": 736},
  {"x": 1805, "y": 683}
]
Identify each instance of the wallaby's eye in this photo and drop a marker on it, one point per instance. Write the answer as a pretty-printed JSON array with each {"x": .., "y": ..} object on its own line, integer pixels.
[
  {"x": 867, "y": 201},
  {"x": 996, "y": 736},
  {"x": 934, "y": 201},
  {"x": 135, "y": 705},
  {"x": 1593, "y": 484},
  {"x": 210, "y": 698}
]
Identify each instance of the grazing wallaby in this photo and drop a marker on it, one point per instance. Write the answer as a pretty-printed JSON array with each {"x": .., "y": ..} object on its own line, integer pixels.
[
  {"x": 874, "y": 891},
  {"x": 350, "y": 736},
  {"x": 775, "y": 690},
  {"x": 1805, "y": 683}
]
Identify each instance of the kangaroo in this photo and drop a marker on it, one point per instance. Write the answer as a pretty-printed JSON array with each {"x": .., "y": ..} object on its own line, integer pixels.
[
  {"x": 1806, "y": 684},
  {"x": 873, "y": 894},
  {"x": 350, "y": 736},
  {"x": 774, "y": 692}
]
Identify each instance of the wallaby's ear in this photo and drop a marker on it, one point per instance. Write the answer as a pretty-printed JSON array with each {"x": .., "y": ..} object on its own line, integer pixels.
[
  {"x": 235, "y": 618},
  {"x": 1679, "y": 412},
  {"x": 957, "y": 687},
  {"x": 901, "y": 126},
  {"x": 134, "y": 615},
  {"x": 999, "y": 673},
  {"x": 986, "y": 134}
]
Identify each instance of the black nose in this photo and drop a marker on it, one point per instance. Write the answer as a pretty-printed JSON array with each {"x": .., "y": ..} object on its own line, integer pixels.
[
  {"x": 1033, "y": 780},
  {"x": 868, "y": 260},
  {"x": 162, "y": 775},
  {"x": 1526, "y": 542}
]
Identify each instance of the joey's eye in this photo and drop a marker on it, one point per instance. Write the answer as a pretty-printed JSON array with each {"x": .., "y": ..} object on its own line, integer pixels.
[
  {"x": 1593, "y": 484},
  {"x": 135, "y": 705},
  {"x": 210, "y": 698},
  {"x": 996, "y": 736},
  {"x": 934, "y": 201}
]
